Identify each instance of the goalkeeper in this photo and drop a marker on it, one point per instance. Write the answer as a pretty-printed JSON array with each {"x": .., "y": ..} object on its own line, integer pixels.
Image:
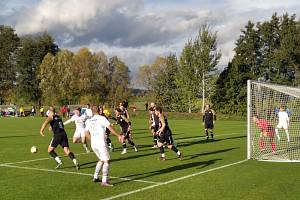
[
  {"x": 267, "y": 131},
  {"x": 283, "y": 122}
]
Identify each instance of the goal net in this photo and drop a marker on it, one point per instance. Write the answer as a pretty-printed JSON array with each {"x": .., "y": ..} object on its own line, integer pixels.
[{"x": 273, "y": 122}]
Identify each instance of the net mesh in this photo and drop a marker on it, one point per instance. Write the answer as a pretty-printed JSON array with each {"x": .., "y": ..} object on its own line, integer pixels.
[{"x": 272, "y": 138}]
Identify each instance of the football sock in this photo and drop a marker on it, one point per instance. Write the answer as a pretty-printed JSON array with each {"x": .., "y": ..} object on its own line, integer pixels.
[
  {"x": 105, "y": 172},
  {"x": 98, "y": 168},
  {"x": 287, "y": 135},
  {"x": 174, "y": 149},
  {"x": 206, "y": 132},
  {"x": 131, "y": 143},
  {"x": 261, "y": 144},
  {"x": 277, "y": 133},
  {"x": 53, "y": 154},
  {"x": 71, "y": 155},
  {"x": 124, "y": 145},
  {"x": 161, "y": 149}
]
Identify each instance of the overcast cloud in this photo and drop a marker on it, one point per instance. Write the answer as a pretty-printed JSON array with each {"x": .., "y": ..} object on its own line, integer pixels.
[{"x": 138, "y": 30}]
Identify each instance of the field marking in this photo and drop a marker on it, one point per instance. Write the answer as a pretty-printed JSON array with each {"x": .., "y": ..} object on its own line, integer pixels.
[
  {"x": 173, "y": 180},
  {"x": 180, "y": 140},
  {"x": 75, "y": 173}
]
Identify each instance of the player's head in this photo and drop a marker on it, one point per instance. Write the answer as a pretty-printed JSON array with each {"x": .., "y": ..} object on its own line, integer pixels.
[
  {"x": 88, "y": 105},
  {"x": 95, "y": 109},
  {"x": 281, "y": 108},
  {"x": 207, "y": 106},
  {"x": 77, "y": 111},
  {"x": 152, "y": 104},
  {"x": 158, "y": 110}
]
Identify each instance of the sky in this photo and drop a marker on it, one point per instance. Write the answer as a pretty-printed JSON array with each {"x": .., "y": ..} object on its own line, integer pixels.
[{"x": 138, "y": 31}]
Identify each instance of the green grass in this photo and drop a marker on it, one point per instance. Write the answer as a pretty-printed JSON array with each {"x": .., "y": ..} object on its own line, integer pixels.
[{"x": 247, "y": 180}]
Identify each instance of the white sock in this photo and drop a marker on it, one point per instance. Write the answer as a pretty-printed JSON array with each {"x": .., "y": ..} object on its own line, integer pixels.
[
  {"x": 277, "y": 134},
  {"x": 98, "y": 168},
  {"x": 75, "y": 161},
  {"x": 178, "y": 153},
  {"x": 287, "y": 135},
  {"x": 57, "y": 159},
  {"x": 163, "y": 155},
  {"x": 105, "y": 172}
]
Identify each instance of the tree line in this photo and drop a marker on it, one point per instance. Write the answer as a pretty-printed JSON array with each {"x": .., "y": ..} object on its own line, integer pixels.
[{"x": 33, "y": 70}]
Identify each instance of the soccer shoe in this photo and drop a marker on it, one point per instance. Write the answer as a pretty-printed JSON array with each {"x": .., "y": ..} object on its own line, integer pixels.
[
  {"x": 88, "y": 151},
  {"x": 135, "y": 149},
  {"x": 180, "y": 156},
  {"x": 207, "y": 138},
  {"x": 77, "y": 166},
  {"x": 124, "y": 151},
  {"x": 105, "y": 184},
  {"x": 162, "y": 158},
  {"x": 96, "y": 180},
  {"x": 154, "y": 147},
  {"x": 58, "y": 165}
]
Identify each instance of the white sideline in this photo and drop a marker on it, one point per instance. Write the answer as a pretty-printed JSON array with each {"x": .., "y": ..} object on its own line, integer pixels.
[
  {"x": 180, "y": 140},
  {"x": 173, "y": 180},
  {"x": 76, "y": 173}
]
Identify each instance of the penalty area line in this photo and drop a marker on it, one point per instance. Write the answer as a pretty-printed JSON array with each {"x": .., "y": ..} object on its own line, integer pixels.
[
  {"x": 173, "y": 180},
  {"x": 75, "y": 173}
]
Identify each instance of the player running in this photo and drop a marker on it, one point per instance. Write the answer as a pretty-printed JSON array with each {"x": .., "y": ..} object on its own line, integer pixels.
[
  {"x": 96, "y": 128},
  {"x": 79, "y": 135},
  {"x": 165, "y": 135},
  {"x": 154, "y": 126},
  {"x": 283, "y": 122},
  {"x": 266, "y": 131},
  {"x": 125, "y": 125},
  {"x": 208, "y": 120},
  {"x": 59, "y": 138}
]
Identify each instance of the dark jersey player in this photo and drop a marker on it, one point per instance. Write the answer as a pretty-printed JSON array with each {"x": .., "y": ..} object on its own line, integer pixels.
[
  {"x": 209, "y": 118},
  {"x": 125, "y": 125},
  {"x": 154, "y": 126},
  {"x": 165, "y": 135},
  {"x": 59, "y": 138}
]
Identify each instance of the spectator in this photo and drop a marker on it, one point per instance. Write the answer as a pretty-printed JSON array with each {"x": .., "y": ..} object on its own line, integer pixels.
[
  {"x": 146, "y": 106},
  {"x": 33, "y": 111},
  {"x": 42, "y": 111}
]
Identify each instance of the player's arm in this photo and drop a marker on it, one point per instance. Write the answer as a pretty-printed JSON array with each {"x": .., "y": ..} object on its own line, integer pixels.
[
  {"x": 69, "y": 121},
  {"x": 114, "y": 132},
  {"x": 127, "y": 114},
  {"x": 46, "y": 122},
  {"x": 163, "y": 125}
]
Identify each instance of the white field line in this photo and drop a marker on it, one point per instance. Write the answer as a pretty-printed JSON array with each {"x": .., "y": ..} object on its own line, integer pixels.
[
  {"x": 180, "y": 140},
  {"x": 173, "y": 180},
  {"x": 75, "y": 173}
]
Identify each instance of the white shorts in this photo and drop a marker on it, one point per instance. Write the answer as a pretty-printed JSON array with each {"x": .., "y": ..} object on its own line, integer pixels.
[
  {"x": 79, "y": 133},
  {"x": 102, "y": 153},
  {"x": 282, "y": 125}
]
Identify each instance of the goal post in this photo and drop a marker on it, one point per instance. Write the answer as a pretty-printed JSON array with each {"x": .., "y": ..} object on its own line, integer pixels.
[{"x": 273, "y": 122}]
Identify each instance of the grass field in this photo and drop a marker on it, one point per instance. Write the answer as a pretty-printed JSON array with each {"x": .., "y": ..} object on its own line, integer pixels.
[{"x": 209, "y": 170}]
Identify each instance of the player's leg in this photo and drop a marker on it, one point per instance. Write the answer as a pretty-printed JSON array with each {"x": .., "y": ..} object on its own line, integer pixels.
[
  {"x": 277, "y": 131},
  {"x": 286, "y": 130},
  {"x": 206, "y": 133},
  {"x": 126, "y": 136},
  {"x": 51, "y": 150},
  {"x": 65, "y": 145},
  {"x": 105, "y": 169},
  {"x": 84, "y": 141},
  {"x": 98, "y": 166},
  {"x": 170, "y": 142},
  {"x": 130, "y": 141},
  {"x": 261, "y": 143},
  {"x": 160, "y": 144}
]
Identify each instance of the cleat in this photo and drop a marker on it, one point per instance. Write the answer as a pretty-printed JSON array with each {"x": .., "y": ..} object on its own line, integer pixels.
[
  {"x": 77, "y": 167},
  {"x": 154, "y": 147},
  {"x": 124, "y": 151},
  {"x": 88, "y": 151},
  {"x": 58, "y": 165},
  {"x": 207, "y": 138},
  {"x": 180, "y": 156},
  {"x": 105, "y": 184},
  {"x": 135, "y": 149},
  {"x": 96, "y": 180},
  {"x": 162, "y": 158}
]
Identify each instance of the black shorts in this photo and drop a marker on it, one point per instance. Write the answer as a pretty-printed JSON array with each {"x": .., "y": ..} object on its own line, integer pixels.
[
  {"x": 60, "y": 139},
  {"x": 155, "y": 128},
  {"x": 125, "y": 133},
  {"x": 166, "y": 137},
  {"x": 208, "y": 125}
]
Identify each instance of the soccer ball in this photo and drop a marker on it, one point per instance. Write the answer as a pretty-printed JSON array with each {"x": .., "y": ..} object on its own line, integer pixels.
[{"x": 33, "y": 149}]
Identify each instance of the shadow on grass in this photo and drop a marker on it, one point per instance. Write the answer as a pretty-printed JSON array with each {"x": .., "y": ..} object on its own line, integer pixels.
[
  {"x": 17, "y": 136},
  {"x": 201, "y": 164}
]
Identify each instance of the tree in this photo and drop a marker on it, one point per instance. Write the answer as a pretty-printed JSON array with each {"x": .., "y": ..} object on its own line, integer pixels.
[{"x": 9, "y": 42}]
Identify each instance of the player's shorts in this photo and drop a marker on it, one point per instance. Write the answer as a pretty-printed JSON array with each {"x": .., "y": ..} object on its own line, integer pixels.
[
  {"x": 209, "y": 125},
  {"x": 101, "y": 152},
  {"x": 125, "y": 133},
  {"x": 155, "y": 128},
  {"x": 282, "y": 125},
  {"x": 166, "y": 137},
  {"x": 59, "y": 139},
  {"x": 79, "y": 133}
]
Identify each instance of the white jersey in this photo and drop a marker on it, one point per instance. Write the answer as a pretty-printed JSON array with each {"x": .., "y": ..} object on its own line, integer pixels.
[
  {"x": 89, "y": 113},
  {"x": 97, "y": 126},
  {"x": 283, "y": 117},
  {"x": 79, "y": 121}
]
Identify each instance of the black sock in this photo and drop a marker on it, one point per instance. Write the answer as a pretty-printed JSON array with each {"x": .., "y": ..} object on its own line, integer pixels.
[
  {"x": 211, "y": 134},
  {"x": 206, "y": 132},
  {"x": 53, "y": 154},
  {"x": 174, "y": 149},
  {"x": 71, "y": 155},
  {"x": 161, "y": 149},
  {"x": 124, "y": 145},
  {"x": 131, "y": 143}
]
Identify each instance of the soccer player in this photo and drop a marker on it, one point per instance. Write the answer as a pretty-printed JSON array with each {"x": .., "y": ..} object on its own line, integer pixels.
[
  {"x": 283, "y": 122},
  {"x": 125, "y": 125},
  {"x": 59, "y": 138},
  {"x": 266, "y": 131},
  {"x": 96, "y": 128},
  {"x": 208, "y": 120},
  {"x": 165, "y": 135},
  {"x": 105, "y": 113},
  {"x": 79, "y": 135},
  {"x": 124, "y": 110},
  {"x": 154, "y": 126}
]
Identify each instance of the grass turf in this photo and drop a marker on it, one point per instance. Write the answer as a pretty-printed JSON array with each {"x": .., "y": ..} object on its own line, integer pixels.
[{"x": 37, "y": 179}]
